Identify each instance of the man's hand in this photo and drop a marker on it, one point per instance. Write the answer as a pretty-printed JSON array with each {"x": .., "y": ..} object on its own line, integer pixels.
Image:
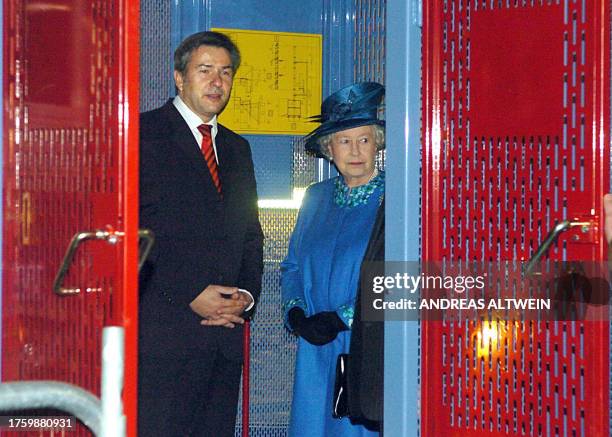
[
  {"x": 217, "y": 310},
  {"x": 231, "y": 314},
  {"x": 607, "y": 201}
]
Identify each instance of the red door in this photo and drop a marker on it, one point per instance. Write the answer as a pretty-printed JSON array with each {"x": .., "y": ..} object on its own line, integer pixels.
[
  {"x": 70, "y": 165},
  {"x": 516, "y": 138}
]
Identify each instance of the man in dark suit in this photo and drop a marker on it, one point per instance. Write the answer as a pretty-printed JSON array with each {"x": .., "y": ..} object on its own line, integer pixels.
[
  {"x": 365, "y": 372},
  {"x": 198, "y": 196}
]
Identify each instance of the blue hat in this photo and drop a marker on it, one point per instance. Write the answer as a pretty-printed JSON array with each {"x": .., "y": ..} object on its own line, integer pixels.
[{"x": 353, "y": 106}]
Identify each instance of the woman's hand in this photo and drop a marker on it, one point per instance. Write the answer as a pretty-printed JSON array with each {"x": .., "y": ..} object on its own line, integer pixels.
[{"x": 318, "y": 329}]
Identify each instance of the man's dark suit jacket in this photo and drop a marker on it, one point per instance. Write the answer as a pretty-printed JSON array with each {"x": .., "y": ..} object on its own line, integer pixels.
[
  {"x": 201, "y": 238},
  {"x": 366, "y": 361}
]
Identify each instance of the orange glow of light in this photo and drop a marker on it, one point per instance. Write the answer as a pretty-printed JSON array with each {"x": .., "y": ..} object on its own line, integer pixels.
[{"x": 489, "y": 337}]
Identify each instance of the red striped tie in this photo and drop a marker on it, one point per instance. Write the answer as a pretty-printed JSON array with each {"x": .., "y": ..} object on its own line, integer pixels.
[{"x": 209, "y": 154}]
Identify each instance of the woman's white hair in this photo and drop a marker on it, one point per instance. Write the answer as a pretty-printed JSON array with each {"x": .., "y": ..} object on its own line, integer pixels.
[{"x": 379, "y": 139}]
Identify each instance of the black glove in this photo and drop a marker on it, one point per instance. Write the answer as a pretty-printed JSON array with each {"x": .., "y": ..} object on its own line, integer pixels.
[
  {"x": 296, "y": 318},
  {"x": 318, "y": 329}
]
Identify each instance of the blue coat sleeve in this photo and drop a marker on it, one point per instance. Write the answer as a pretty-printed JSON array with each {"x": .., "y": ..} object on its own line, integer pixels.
[{"x": 292, "y": 283}]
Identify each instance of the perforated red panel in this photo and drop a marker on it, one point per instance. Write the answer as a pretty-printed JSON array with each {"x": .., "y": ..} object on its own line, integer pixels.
[
  {"x": 516, "y": 118},
  {"x": 70, "y": 143}
]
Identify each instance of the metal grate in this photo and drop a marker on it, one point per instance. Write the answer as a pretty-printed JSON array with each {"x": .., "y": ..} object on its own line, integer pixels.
[
  {"x": 156, "y": 53},
  {"x": 303, "y": 169},
  {"x": 272, "y": 157},
  {"x": 272, "y": 347},
  {"x": 369, "y": 43},
  {"x": 510, "y": 94},
  {"x": 369, "y": 40}
]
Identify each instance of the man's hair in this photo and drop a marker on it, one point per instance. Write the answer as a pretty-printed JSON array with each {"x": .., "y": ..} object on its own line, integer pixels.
[{"x": 182, "y": 54}]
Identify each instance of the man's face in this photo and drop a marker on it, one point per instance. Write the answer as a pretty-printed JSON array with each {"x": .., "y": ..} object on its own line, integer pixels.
[{"x": 207, "y": 83}]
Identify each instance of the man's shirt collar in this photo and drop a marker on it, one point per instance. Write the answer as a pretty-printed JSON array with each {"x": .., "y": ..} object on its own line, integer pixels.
[{"x": 192, "y": 119}]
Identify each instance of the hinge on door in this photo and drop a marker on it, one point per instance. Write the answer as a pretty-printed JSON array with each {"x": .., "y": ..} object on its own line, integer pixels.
[
  {"x": 585, "y": 230},
  {"x": 580, "y": 229}
]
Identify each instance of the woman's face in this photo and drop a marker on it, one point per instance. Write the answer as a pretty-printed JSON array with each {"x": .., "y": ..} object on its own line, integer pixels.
[{"x": 353, "y": 151}]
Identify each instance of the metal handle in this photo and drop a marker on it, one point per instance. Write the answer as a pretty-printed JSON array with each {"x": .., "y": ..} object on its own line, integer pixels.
[
  {"x": 110, "y": 236},
  {"x": 149, "y": 237},
  {"x": 550, "y": 239}
]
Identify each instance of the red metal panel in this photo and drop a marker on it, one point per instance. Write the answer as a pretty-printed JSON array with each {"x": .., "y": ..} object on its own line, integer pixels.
[
  {"x": 70, "y": 165},
  {"x": 516, "y": 122}
]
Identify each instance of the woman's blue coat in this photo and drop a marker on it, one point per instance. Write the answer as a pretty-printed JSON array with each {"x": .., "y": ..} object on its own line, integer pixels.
[{"x": 321, "y": 273}]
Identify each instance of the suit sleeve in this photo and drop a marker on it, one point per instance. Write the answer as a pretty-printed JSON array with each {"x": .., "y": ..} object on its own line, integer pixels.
[
  {"x": 252, "y": 255},
  {"x": 346, "y": 311},
  {"x": 148, "y": 202},
  {"x": 292, "y": 288}
]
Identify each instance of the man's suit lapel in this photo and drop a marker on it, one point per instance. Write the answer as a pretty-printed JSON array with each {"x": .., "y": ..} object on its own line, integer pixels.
[
  {"x": 226, "y": 163},
  {"x": 185, "y": 142}
]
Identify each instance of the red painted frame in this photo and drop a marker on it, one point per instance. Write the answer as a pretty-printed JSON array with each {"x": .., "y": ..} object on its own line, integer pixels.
[
  {"x": 128, "y": 121},
  {"x": 123, "y": 23}
]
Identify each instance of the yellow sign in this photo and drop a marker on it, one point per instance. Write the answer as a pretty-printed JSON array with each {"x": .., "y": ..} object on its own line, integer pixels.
[{"x": 278, "y": 84}]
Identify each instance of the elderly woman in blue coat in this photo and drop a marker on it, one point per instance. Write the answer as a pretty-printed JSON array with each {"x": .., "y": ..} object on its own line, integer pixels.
[{"x": 321, "y": 271}]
